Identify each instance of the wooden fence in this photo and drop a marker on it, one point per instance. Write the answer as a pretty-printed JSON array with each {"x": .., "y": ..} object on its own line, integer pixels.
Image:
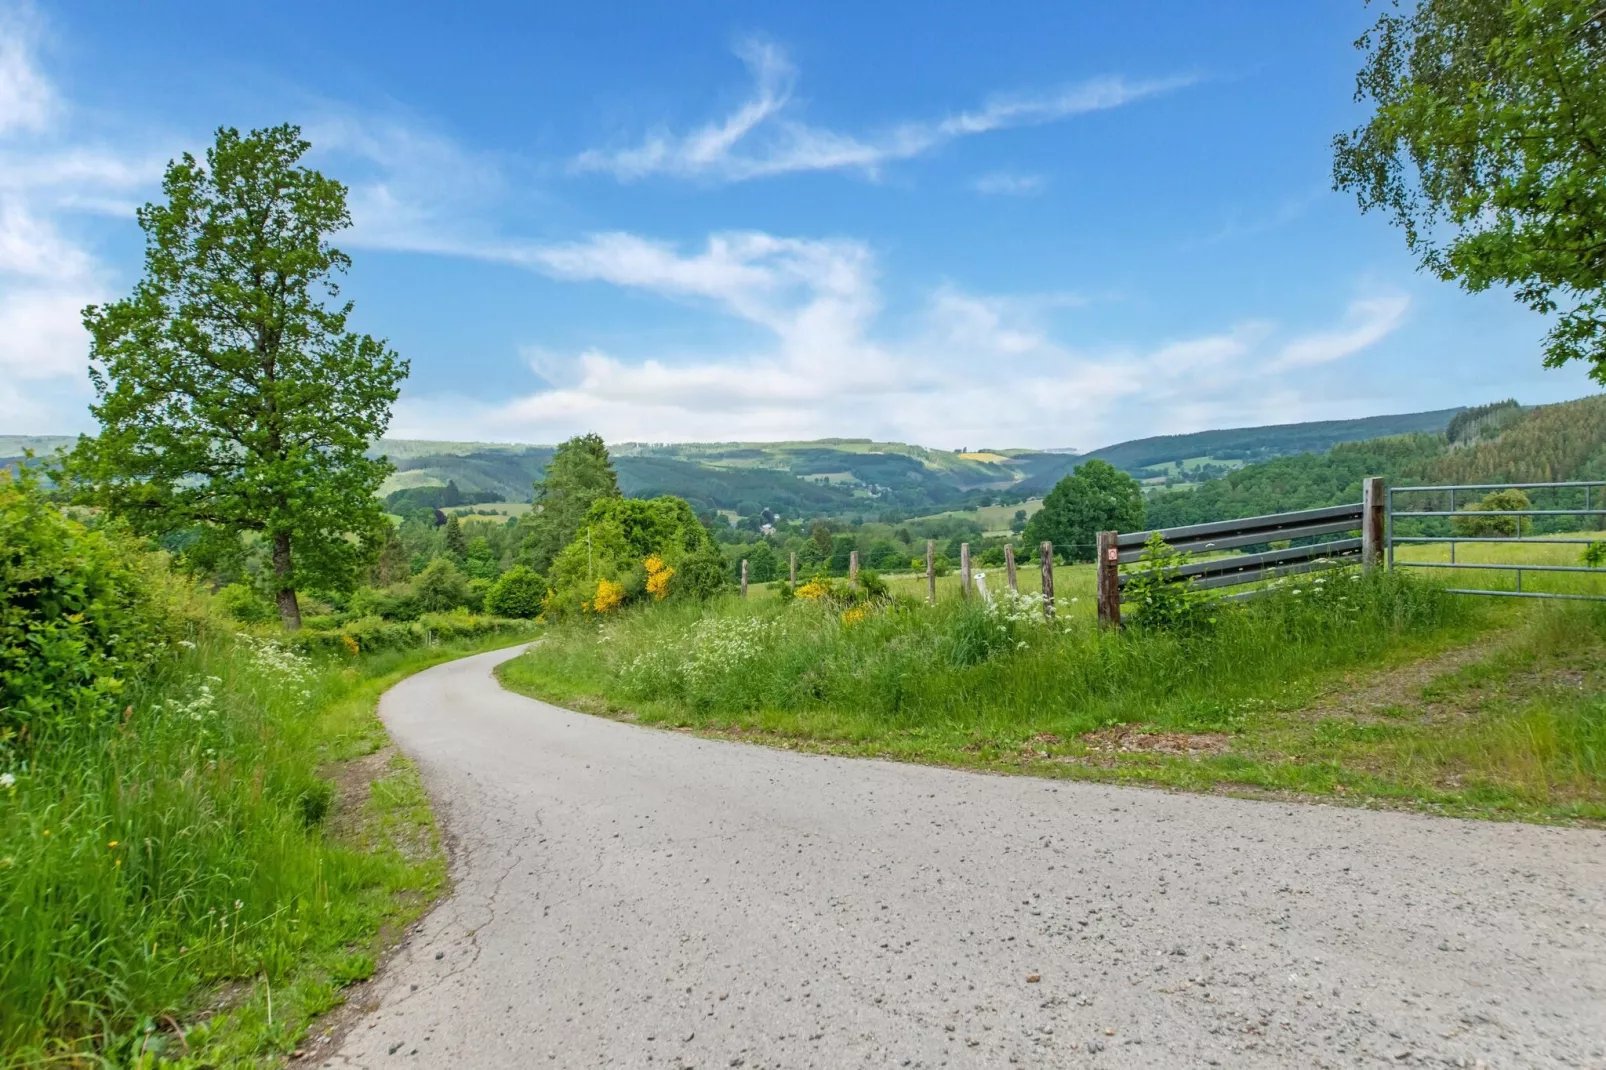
[{"x": 1228, "y": 570}]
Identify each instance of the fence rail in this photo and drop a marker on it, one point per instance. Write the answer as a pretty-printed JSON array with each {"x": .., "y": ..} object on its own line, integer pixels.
[
  {"x": 1591, "y": 498},
  {"x": 1231, "y": 570}
]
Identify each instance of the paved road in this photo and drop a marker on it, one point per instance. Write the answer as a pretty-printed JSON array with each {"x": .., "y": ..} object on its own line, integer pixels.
[{"x": 640, "y": 898}]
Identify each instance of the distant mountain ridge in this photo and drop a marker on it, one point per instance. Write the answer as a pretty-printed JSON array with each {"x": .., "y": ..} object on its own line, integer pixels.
[{"x": 838, "y": 476}]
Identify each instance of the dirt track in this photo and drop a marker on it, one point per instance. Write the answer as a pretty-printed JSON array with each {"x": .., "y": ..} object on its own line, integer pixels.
[{"x": 631, "y": 897}]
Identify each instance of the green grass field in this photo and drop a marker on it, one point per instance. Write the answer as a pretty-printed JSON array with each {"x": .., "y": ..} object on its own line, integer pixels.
[
  {"x": 994, "y": 519},
  {"x": 488, "y": 510},
  {"x": 1509, "y": 554},
  {"x": 1382, "y": 690}
]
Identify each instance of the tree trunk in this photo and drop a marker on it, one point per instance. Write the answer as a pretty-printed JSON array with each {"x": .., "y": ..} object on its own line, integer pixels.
[{"x": 289, "y": 609}]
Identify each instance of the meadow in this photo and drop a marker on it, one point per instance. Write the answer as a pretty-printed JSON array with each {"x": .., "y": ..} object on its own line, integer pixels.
[
  {"x": 1380, "y": 688},
  {"x": 1539, "y": 554}
]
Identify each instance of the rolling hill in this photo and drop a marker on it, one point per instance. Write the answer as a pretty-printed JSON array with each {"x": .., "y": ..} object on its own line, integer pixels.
[
  {"x": 1545, "y": 443},
  {"x": 1236, "y": 446},
  {"x": 860, "y": 477}
]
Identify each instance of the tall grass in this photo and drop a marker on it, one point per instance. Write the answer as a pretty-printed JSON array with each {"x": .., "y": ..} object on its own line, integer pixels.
[
  {"x": 813, "y": 669},
  {"x": 145, "y": 861}
]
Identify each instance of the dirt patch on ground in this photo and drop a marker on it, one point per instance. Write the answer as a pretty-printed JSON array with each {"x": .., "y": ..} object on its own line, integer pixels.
[
  {"x": 1378, "y": 697},
  {"x": 353, "y": 780},
  {"x": 1133, "y": 739}
]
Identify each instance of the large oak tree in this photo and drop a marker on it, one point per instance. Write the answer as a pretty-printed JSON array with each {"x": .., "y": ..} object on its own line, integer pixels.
[{"x": 233, "y": 399}]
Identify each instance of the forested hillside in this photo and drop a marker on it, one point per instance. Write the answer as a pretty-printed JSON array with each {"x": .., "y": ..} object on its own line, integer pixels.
[
  {"x": 1550, "y": 442},
  {"x": 1234, "y": 446}
]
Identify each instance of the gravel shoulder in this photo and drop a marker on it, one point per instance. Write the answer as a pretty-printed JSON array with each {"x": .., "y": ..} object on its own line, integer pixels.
[{"x": 631, "y": 897}]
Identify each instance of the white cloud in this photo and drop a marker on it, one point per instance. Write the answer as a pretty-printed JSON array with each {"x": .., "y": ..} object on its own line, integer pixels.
[
  {"x": 760, "y": 138},
  {"x": 1367, "y": 322},
  {"x": 27, "y": 101},
  {"x": 1009, "y": 184},
  {"x": 47, "y": 274},
  {"x": 409, "y": 189},
  {"x": 973, "y": 368},
  {"x": 41, "y": 336}
]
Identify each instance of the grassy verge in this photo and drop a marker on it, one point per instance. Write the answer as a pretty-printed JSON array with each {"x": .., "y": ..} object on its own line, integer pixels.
[
  {"x": 1248, "y": 705},
  {"x": 198, "y": 880}
]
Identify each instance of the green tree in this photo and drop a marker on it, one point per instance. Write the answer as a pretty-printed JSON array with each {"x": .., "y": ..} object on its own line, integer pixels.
[
  {"x": 1095, "y": 497},
  {"x": 579, "y": 474},
  {"x": 1488, "y": 146},
  {"x": 517, "y": 593},
  {"x": 1499, "y": 501},
  {"x": 480, "y": 561},
  {"x": 455, "y": 541},
  {"x": 441, "y": 586},
  {"x": 231, "y": 396},
  {"x": 761, "y": 566}
]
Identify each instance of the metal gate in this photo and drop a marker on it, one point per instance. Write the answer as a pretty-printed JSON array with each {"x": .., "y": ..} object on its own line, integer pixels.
[{"x": 1434, "y": 519}]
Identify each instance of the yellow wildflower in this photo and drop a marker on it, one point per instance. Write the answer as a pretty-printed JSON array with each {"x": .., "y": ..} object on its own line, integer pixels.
[
  {"x": 658, "y": 577},
  {"x": 813, "y": 589},
  {"x": 350, "y": 643},
  {"x": 853, "y": 616},
  {"x": 609, "y": 595}
]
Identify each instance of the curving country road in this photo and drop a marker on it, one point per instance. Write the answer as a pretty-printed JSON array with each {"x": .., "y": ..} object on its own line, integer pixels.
[{"x": 639, "y": 898}]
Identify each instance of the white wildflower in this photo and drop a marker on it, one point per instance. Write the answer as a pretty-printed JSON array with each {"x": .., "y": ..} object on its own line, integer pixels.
[{"x": 8, "y": 780}]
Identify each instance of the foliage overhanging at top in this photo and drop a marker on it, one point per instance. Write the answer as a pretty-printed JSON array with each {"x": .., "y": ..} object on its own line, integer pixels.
[
  {"x": 231, "y": 395},
  {"x": 1488, "y": 147}
]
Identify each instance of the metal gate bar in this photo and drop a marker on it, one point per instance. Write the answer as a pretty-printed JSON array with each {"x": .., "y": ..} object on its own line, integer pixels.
[{"x": 1452, "y": 539}]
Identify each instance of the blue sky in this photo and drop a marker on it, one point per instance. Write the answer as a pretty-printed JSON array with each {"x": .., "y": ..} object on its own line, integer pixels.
[{"x": 1008, "y": 224}]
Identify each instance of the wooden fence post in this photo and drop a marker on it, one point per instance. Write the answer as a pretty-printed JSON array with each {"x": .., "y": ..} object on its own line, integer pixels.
[
  {"x": 791, "y": 568},
  {"x": 1373, "y": 499},
  {"x": 1009, "y": 566},
  {"x": 853, "y": 568},
  {"x": 1109, "y": 583},
  {"x": 1047, "y": 552},
  {"x": 964, "y": 570},
  {"x": 931, "y": 571},
  {"x": 744, "y": 577}
]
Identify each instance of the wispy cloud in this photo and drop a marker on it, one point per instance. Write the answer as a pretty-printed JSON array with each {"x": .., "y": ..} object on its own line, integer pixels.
[
  {"x": 1009, "y": 184},
  {"x": 761, "y": 138},
  {"x": 27, "y": 100},
  {"x": 1367, "y": 322},
  {"x": 47, "y": 274},
  {"x": 970, "y": 366}
]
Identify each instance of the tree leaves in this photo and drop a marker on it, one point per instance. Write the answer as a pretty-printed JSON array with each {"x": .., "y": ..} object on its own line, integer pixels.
[{"x": 1488, "y": 148}]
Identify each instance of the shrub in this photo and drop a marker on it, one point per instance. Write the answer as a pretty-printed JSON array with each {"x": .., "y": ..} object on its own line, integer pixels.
[
  {"x": 243, "y": 604},
  {"x": 367, "y": 635},
  {"x": 441, "y": 586},
  {"x": 518, "y": 593},
  {"x": 1594, "y": 555},
  {"x": 82, "y": 611},
  {"x": 1161, "y": 599},
  {"x": 1486, "y": 526},
  {"x": 605, "y": 565},
  {"x": 871, "y": 583},
  {"x": 396, "y": 602}
]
